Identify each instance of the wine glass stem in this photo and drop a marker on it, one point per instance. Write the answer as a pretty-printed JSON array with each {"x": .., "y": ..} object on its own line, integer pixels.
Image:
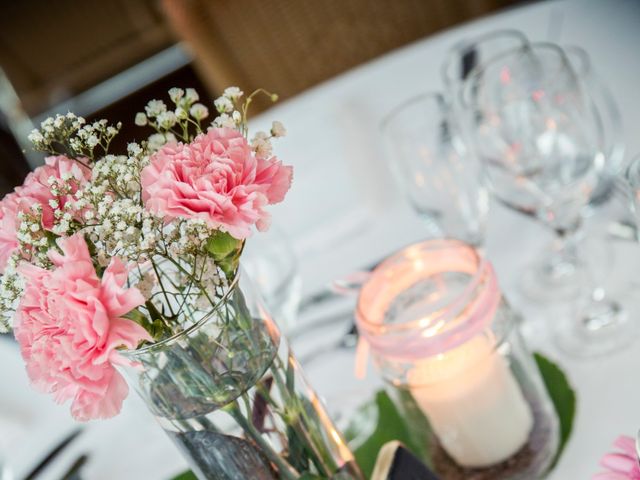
[{"x": 564, "y": 258}]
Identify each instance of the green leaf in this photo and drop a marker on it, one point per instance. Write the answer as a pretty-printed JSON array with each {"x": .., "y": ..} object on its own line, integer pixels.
[
  {"x": 297, "y": 456},
  {"x": 155, "y": 325},
  {"x": 390, "y": 426},
  {"x": 186, "y": 475},
  {"x": 221, "y": 245},
  {"x": 562, "y": 396},
  {"x": 226, "y": 251}
]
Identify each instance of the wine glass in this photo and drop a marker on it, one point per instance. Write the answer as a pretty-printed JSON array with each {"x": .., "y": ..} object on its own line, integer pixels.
[
  {"x": 604, "y": 319},
  {"x": 466, "y": 57},
  {"x": 429, "y": 159},
  {"x": 534, "y": 132},
  {"x": 605, "y": 111},
  {"x": 470, "y": 54},
  {"x": 270, "y": 260}
]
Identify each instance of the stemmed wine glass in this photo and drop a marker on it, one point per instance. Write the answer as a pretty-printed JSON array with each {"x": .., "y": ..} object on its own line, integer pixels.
[
  {"x": 470, "y": 54},
  {"x": 442, "y": 182},
  {"x": 534, "y": 133},
  {"x": 604, "y": 318},
  {"x": 606, "y": 113}
]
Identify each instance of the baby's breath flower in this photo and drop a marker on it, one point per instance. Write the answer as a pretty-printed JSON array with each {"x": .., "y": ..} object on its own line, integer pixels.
[
  {"x": 141, "y": 119},
  {"x": 223, "y": 105},
  {"x": 181, "y": 113},
  {"x": 134, "y": 149},
  {"x": 156, "y": 141},
  {"x": 11, "y": 288},
  {"x": 224, "y": 121},
  {"x": 155, "y": 108},
  {"x": 277, "y": 129},
  {"x": 261, "y": 145},
  {"x": 166, "y": 120},
  {"x": 199, "y": 111},
  {"x": 233, "y": 93},
  {"x": 146, "y": 284},
  {"x": 35, "y": 136},
  {"x": 191, "y": 96},
  {"x": 175, "y": 94},
  {"x": 92, "y": 141}
]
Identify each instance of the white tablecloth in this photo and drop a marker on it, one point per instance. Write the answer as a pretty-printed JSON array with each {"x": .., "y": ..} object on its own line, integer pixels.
[{"x": 344, "y": 212}]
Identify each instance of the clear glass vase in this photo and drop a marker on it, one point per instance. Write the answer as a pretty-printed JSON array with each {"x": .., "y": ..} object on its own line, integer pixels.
[
  {"x": 447, "y": 343},
  {"x": 231, "y": 395}
]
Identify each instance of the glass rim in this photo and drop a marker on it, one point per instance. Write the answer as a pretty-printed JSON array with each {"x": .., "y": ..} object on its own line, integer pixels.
[
  {"x": 527, "y": 48},
  {"x": 134, "y": 352},
  {"x": 466, "y": 44},
  {"x": 431, "y": 95},
  {"x": 466, "y": 314},
  {"x": 401, "y": 256}
]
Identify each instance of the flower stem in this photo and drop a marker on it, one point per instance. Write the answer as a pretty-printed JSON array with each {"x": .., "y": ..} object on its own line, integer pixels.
[{"x": 285, "y": 470}]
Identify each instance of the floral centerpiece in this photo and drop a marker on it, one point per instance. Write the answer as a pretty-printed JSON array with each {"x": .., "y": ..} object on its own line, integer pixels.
[{"x": 130, "y": 263}]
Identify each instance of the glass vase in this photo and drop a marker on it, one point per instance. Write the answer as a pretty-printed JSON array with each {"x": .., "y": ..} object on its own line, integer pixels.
[
  {"x": 447, "y": 343},
  {"x": 231, "y": 395}
]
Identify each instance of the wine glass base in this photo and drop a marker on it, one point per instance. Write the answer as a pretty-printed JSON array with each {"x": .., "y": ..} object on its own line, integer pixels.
[
  {"x": 551, "y": 281},
  {"x": 599, "y": 326}
]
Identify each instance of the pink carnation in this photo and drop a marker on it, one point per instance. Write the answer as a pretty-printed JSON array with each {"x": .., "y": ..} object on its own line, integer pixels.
[
  {"x": 69, "y": 324},
  {"x": 36, "y": 188},
  {"x": 36, "y": 191},
  {"x": 622, "y": 465},
  {"x": 217, "y": 178},
  {"x": 8, "y": 228}
]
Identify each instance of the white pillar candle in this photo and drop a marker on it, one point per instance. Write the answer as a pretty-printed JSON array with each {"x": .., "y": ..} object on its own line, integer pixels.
[{"x": 473, "y": 402}]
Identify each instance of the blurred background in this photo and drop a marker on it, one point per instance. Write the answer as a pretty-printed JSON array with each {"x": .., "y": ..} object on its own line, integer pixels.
[{"x": 106, "y": 58}]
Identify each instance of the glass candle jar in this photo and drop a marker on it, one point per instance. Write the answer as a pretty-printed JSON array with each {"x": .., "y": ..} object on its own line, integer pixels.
[{"x": 443, "y": 337}]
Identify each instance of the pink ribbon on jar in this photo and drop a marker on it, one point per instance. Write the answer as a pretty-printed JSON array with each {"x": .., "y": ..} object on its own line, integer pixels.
[{"x": 467, "y": 315}]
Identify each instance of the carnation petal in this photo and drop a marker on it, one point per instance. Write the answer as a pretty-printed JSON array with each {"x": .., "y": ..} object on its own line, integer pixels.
[
  {"x": 89, "y": 406},
  {"x": 217, "y": 178}
]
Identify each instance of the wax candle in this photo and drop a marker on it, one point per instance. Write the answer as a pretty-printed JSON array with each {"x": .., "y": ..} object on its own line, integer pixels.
[{"x": 473, "y": 402}]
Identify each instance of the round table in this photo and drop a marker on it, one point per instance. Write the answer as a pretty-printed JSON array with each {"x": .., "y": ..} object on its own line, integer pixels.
[{"x": 345, "y": 212}]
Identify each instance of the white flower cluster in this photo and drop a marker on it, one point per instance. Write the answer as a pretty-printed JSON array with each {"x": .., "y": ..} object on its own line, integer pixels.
[
  {"x": 118, "y": 227},
  {"x": 147, "y": 283},
  {"x": 187, "y": 237},
  {"x": 261, "y": 142},
  {"x": 11, "y": 288},
  {"x": 208, "y": 277},
  {"x": 228, "y": 107},
  {"x": 170, "y": 123},
  {"x": 157, "y": 140},
  {"x": 111, "y": 208},
  {"x": 32, "y": 237},
  {"x": 71, "y": 135},
  {"x": 55, "y": 129},
  {"x": 90, "y": 136},
  {"x": 66, "y": 207},
  {"x": 120, "y": 173}
]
